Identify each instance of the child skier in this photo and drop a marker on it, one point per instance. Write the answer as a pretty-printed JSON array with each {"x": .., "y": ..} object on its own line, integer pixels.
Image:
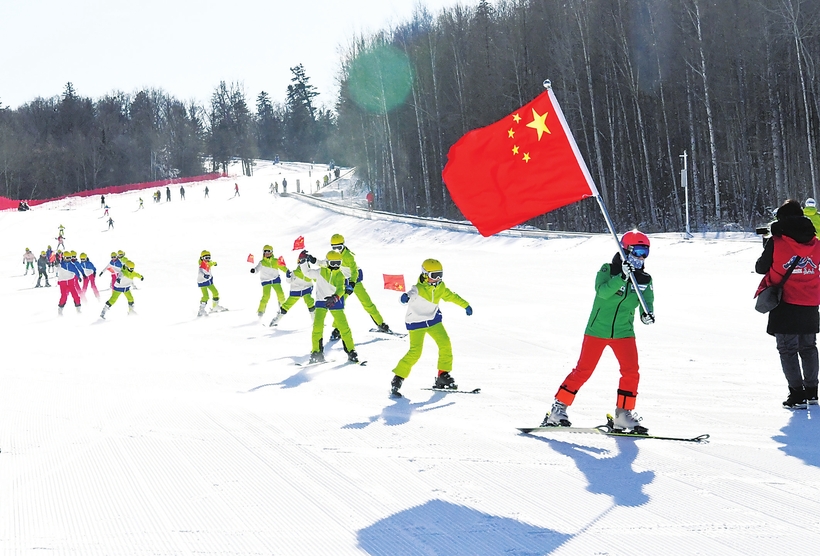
[
  {"x": 42, "y": 269},
  {"x": 268, "y": 270},
  {"x": 300, "y": 288},
  {"x": 114, "y": 266},
  {"x": 67, "y": 272},
  {"x": 611, "y": 324},
  {"x": 123, "y": 286},
  {"x": 72, "y": 256},
  {"x": 28, "y": 260},
  {"x": 424, "y": 317},
  {"x": 330, "y": 289},
  {"x": 355, "y": 275},
  {"x": 205, "y": 281},
  {"x": 90, "y": 272}
]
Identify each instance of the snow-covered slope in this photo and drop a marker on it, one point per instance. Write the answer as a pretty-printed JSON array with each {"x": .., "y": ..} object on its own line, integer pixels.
[{"x": 166, "y": 434}]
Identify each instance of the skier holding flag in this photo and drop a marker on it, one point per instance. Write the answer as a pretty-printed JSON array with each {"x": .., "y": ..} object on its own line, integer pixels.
[
  {"x": 611, "y": 325},
  {"x": 522, "y": 166}
]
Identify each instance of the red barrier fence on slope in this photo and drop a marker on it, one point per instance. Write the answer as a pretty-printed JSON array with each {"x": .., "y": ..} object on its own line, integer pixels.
[{"x": 6, "y": 204}]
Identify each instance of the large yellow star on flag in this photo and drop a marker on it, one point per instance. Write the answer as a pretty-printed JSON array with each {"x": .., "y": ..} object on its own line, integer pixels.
[{"x": 539, "y": 123}]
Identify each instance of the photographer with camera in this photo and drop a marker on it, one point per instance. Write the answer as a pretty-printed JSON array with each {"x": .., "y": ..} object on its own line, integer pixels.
[{"x": 795, "y": 321}]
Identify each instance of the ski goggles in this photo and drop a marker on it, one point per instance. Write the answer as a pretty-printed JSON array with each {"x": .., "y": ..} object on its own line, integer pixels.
[
  {"x": 206, "y": 258},
  {"x": 334, "y": 264},
  {"x": 641, "y": 251},
  {"x": 435, "y": 275},
  {"x": 268, "y": 251},
  {"x": 338, "y": 247}
]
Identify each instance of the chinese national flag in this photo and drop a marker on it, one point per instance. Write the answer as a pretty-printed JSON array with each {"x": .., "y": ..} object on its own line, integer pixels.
[
  {"x": 299, "y": 244},
  {"x": 517, "y": 168},
  {"x": 250, "y": 258},
  {"x": 394, "y": 282}
]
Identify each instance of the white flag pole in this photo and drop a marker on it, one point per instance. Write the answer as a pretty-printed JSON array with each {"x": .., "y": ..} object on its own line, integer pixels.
[{"x": 593, "y": 189}]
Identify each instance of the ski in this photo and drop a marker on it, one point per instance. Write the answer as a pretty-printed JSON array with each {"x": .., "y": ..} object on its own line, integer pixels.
[
  {"x": 606, "y": 430},
  {"x": 309, "y": 364},
  {"x": 391, "y": 333},
  {"x": 455, "y": 391}
]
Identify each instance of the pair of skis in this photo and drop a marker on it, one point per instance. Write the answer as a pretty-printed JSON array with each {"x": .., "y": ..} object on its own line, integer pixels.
[{"x": 610, "y": 430}]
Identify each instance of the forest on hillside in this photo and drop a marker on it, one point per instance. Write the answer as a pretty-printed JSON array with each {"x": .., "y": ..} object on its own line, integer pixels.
[{"x": 730, "y": 83}]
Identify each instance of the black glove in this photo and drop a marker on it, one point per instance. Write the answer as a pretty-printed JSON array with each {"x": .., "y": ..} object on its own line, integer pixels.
[
  {"x": 648, "y": 318},
  {"x": 253, "y": 270},
  {"x": 312, "y": 259},
  {"x": 142, "y": 278},
  {"x": 332, "y": 300},
  {"x": 349, "y": 288},
  {"x": 101, "y": 273}
]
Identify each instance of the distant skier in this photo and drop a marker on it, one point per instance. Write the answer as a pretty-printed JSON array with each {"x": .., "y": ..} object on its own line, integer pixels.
[
  {"x": 106, "y": 211},
  {"x": 424, "y": 317},
  {"x": 182, "y": 192},
  {"x": 168, "y": 194},
  {"x": 284, "y": 186},
  {"x": 90, "y": 273},
  {"x": 102, "y": 201},
  {"x": 300, "y": 288},
  {"x": 123, "y": 286},
  {"x": 67, "y": 273},
  {"x": 42, "y": 269},
  {"x": 28, "y": 261},
  {"x": 330, "y": 289},
  {"x": 370, "y": 198},
  {"x": 206, "y": 191},
  {"x": 611, "y": 324},
  {"x": 236, "y": 190},
  {"x": 355, "y": 275},
  {"x": 810, "y": 212},
  {"x": 205, "y": 281},
  {"x": 141, "y": 205},
  {"x": 110, "y": 222},
  {"x": 268, "y": 270},
  {"x": 60, "y": 241}
]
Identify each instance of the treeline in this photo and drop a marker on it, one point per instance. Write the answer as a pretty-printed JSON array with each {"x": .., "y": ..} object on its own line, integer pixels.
[
  {"x": 730, "y": 82},
  {"x": 66, "y": 144}
]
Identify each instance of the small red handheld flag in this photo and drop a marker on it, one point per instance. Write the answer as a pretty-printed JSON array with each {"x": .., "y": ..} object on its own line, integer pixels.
[
  {"x": 394, "y": 282},
  {"x": 299, "y": 244},
  {"x": 281, "y": 260},
  {"x": 250, "y": 258},
  {"x": 517, "y": 168}
]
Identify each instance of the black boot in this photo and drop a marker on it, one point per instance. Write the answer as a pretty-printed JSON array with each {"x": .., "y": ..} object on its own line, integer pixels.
[
  {"x": 352, "y": 356},
  {"x": 811, "y": 395},
  {"x": 335, "y": 335},
  {"x": 444, "y": 380},
  {"x": 796, "y": 399},
  {"x": 395, "y": 385}
]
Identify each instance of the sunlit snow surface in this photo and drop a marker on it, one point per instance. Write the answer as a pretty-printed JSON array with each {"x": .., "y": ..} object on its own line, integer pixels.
[{"x": 167, "y": 434}]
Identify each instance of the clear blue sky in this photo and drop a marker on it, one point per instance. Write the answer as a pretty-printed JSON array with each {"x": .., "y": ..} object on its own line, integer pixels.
[{"x": 183, "y": 47}]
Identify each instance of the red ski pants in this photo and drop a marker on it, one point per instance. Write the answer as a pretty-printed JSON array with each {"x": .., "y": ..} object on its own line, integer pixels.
[
  {"x": 92, "y": 279},
  {"x": 625, "y": 350},
  {"x": 67, "y": 287}
]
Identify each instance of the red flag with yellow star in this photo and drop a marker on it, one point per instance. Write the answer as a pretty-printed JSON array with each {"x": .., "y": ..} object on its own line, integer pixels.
[{"x": 517, "y": 168}]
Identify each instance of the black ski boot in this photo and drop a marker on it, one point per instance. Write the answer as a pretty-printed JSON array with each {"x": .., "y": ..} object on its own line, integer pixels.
[
  {"x": 796, "y": 399},
  {"x": 444, "y": 380},
  {"x": 811, "y": 395},
  {"x": 317, "y": 357},
  {"x": 335, "y": 335},
  {"x": 395, "y": 385},
  {"x": 352, "y": 356},
  {"x": 384, "y": 328}
]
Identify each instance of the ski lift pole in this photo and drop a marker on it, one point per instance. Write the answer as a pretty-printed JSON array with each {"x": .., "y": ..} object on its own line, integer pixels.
[{"x": 623, "y": 254}]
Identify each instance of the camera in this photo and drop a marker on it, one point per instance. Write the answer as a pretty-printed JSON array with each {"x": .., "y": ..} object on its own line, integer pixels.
[{"x": 763, "y": 231}]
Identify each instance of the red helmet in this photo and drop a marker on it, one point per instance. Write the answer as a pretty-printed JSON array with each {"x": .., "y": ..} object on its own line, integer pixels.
[{"x": 634, "y": 238}]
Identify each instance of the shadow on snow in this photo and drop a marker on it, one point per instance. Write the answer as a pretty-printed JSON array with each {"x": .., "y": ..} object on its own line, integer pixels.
[{"x": 799, "y": 437}]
